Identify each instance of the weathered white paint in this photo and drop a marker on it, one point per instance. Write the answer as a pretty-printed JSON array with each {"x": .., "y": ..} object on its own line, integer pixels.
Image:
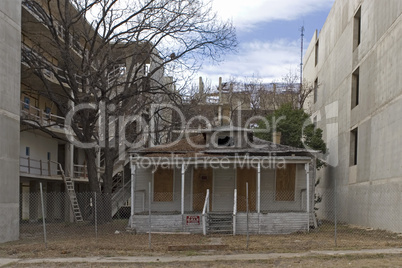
[
  {"x": 165, "y": 223},
  {"x": 272, "y": 223}
]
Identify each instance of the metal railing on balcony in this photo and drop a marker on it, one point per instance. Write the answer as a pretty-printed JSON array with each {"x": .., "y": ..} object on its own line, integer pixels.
[
  {"x": 43, "y": 118},
  {"x": 38, "y": 167},
  {"x": 80, "y": 171}
]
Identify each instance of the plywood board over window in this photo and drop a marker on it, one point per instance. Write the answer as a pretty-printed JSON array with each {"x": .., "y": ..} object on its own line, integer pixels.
[
  {"x": 163, "y": 185},
  {"x": 246, "y": 175},
  {"x": 285, "y": 183},
  {"x": 202, "y": 180}
]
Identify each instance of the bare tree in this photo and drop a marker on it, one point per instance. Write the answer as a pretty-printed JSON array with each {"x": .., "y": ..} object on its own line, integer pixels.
[
  {"x": 114, "y": 54},
  {"x": 291, "y": 91}
]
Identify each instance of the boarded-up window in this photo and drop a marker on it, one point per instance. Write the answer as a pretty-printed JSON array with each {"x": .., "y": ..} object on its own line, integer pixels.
[
  {"x": 163, "y": 185},
  {"x": 285, "y": 183}
]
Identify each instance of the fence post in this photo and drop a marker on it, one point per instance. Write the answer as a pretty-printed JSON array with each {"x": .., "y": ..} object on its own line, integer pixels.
[
  {"x": 335, "y": 218},
  {"x": 149, "y": 211},
  {"x": 43, "y": 215},
  {"x": 96, "y": 218},
  {"x": 307, "y": 169},
  {"x": 259, "y": 194},
  {"x": 248, "y": 237},
  {"x": 133, "y": 193}
]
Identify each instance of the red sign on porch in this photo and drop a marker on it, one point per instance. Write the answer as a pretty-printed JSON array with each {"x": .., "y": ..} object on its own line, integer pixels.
[{"x": 193, "y": 220}]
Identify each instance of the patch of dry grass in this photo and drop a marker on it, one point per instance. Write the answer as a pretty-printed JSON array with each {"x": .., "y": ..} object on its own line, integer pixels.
[{"x": 72, "y": 240}]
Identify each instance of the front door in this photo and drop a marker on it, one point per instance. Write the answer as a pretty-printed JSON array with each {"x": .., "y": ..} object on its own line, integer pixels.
[
  {"x": 202, "y": 180},
  {"x": 224, "y": 185}
]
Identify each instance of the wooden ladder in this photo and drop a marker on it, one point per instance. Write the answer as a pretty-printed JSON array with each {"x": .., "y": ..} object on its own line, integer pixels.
[
  {"x": 73, "y": 199},
  {"x": 71, "y": 193}
]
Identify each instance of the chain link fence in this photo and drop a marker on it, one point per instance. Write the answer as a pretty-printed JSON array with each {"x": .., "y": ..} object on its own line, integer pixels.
[{"x": 50, "y": 217}]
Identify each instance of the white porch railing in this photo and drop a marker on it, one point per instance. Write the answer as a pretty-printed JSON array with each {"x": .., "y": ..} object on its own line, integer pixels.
[
  {"x": 205, "y": 210},
  {"x": 234, "y": 211}
]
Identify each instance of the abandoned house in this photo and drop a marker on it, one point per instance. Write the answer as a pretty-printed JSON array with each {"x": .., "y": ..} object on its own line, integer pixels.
[{"x": 206, "y": 183}]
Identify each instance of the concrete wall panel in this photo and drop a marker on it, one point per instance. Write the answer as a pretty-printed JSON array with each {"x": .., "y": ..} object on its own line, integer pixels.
[
  {"x": 10, "y": 54},
  {"x": 365, "y": 192}
]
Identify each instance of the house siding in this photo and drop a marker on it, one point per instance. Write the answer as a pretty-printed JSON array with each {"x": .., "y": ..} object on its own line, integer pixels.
[
  {"x": 166, "y": 223},
  {"x": 272, "y": 223}
]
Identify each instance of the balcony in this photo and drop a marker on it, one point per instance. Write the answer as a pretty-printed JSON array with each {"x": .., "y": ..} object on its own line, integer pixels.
[
  {"x": 40, "y": 117},
  {"x": 39, "y": 168}
]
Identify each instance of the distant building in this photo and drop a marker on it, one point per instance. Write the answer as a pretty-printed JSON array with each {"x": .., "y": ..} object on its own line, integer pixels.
[
  {"x": 355, "y": 62},
  {"x": 235, "y": 103}
]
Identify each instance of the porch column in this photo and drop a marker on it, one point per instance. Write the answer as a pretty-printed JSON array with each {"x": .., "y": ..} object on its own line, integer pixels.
[
  {"x": 182, "y": 188},
  {"x": 132, "y": 167},
  {"x": 69, "y": 162},
  {"x": 259, "y": 187},
  {"x": 307, "y": 168}
]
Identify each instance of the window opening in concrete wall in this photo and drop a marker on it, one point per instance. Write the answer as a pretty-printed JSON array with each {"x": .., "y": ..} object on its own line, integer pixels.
[
  {"x": 315, "y": 90},
  {"x": 316, "y": 52},
  {"x": 353, "y": 147},
  {"x": 355, "y": 88},
  {"x": 357, "y": 28}
]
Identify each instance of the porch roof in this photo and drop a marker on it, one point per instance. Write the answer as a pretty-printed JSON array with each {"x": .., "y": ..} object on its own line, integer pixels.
[{"x": 196, "y": 147}]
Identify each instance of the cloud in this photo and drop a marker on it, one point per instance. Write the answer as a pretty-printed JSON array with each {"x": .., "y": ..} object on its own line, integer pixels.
[
  {"x": 246, "y": 14},
  {"x": 268, "y": 61}
]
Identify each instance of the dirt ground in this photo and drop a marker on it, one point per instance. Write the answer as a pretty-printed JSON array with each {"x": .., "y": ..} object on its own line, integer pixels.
[
  {"x": 378, "y": 260},
  {"x": 71, "y": 240}
]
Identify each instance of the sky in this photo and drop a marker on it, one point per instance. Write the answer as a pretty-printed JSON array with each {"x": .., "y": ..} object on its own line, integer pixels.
[{"x": 268, "y": 32}]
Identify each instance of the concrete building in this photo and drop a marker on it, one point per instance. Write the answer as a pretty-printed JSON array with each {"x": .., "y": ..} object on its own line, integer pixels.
[
  {"x": 10, "y": 54},
  {"x": 356, "y": 61},
  {"x": 33, "y": 142}
]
